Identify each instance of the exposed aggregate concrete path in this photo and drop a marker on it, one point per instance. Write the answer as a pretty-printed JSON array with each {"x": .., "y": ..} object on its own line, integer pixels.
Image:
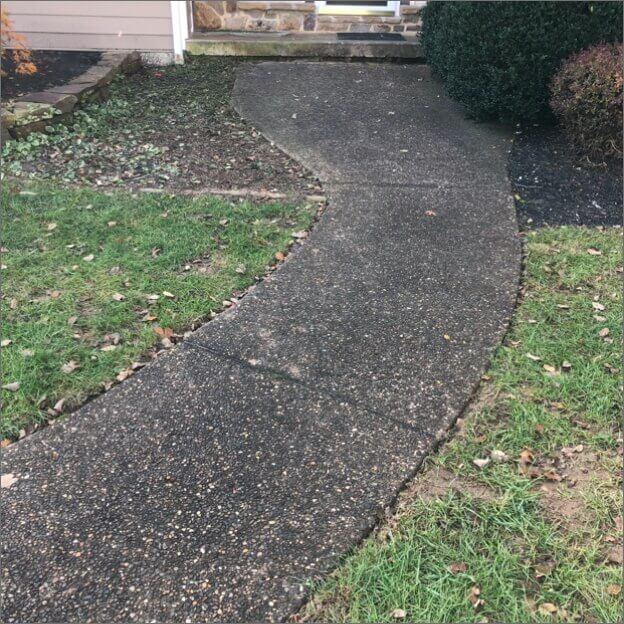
[{"x": 221, "y": 479}]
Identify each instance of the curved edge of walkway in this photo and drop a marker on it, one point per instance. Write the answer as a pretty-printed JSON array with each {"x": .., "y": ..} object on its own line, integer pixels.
[{"x": 221, "y": 479}]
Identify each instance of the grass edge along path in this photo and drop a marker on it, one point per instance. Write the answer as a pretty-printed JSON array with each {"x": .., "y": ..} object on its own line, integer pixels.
[
  {"x": 518, "y": 517},
  {"x": 95, "y": 283}
]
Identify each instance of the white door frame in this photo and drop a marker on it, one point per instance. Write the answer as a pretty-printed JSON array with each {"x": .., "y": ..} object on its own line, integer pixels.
[
  {"x": 180, "y": 28},
  {"x": 391, "y": 5}
]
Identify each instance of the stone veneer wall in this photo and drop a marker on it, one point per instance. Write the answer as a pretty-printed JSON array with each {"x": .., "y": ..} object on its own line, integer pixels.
[{"x": 295, "y": 17}]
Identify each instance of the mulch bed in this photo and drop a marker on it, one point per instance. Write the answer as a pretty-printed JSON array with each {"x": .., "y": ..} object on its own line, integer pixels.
[
  {"x": 169, "y": 128},
  {"x": 554, "y": 186},
  {"x": 54, "y": 68}
]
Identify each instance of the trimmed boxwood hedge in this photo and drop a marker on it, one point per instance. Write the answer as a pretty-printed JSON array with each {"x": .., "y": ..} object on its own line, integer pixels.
[{"x": 497, "y": 58}]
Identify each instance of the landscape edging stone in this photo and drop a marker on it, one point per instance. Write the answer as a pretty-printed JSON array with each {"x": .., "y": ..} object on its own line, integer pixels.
[{"x": 34, "y": 112}]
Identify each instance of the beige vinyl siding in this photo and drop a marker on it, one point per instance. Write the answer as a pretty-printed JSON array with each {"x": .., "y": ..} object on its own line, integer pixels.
[{"x": 93, "y": 24}]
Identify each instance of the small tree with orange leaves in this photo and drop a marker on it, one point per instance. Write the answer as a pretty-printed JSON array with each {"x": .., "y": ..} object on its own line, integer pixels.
[{"x": 14, "y": 44}]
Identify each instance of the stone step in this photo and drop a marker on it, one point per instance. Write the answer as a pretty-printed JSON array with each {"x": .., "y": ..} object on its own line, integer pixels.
[{"x": 306, "y": 45}]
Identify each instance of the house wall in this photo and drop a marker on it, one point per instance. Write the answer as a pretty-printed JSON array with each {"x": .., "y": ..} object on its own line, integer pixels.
[
  {"x": 143, "y": 25},
  {"x": 297, "y": 16}
]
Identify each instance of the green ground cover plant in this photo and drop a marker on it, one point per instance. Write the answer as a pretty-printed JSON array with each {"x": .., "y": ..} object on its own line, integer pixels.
[
  {"x": 93, "y": 281},
  {"x": 166, "y": 127},
  {"x": 518, "y": 517}
]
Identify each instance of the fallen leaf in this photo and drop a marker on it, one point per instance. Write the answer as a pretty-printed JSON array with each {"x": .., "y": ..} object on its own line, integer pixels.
[
  {"x": 167, "y": 294},
  {"x": 498, "y": 456},
  {"x": 154, "y": 252},
  {"x": 149, "y": 317},
  {"x": 58, "y": 406},
  {"x": 223, "y": 222},
  {"x": 548, "y": 608},
  {"x": 551, "y": 475},
  {"x": 279, "y": 256},
  {"x": 6, "y": 342},
  {"x": 550, "y": 369},
  {"x": 592, "y": 251},
  {"x": 112, "y": 223},
  {"x": 398, "y": 614},
  {"x": 88, "y": 258},
  {"x": 481, "y": 463},
  {"x": 535, "y": 358},
  {"x": 544, "y": 569},
  {"x": 240, "y": 269},
  {"x": 600, "y": 319},
  {"x": 27, "y": 353},
  {"x": 7, "y": 480},
  {"x": 108, "y": 348},
  {"x": 301, "y": 234},
  {"x": 13, "y": 304},
  {"x": 597, "y": 306},
  {"x": 614, "y": 589},
  {"x": 12, "y": 387},
  {"x": 473, "y": 596},
  {"x": 165, "y": 332},
  {"x": 118, "y": 297},
  {"x": 153, "y": 297},
  {"x": 124, "y": 374},
  {"x": 55, "y": 294},
  {"x": 456, "y": 568},
  {"x": 616, "y": 555},
  {"x": 72, "y": 320},
  {"x": 69, "y": 367},
  {"x": 51, "y": 226},
  {"x": 539, "y": 428},
  {"x": 603, "y": 332}
]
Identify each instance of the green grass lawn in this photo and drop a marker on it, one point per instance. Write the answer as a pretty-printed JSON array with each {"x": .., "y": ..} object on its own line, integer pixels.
[
  {"x": 534, "y": 536},
  {"x": 89, "y": 279}
]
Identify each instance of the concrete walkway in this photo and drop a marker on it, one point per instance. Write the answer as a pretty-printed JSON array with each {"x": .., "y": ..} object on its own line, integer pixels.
[{"x": 217, "y": 482}]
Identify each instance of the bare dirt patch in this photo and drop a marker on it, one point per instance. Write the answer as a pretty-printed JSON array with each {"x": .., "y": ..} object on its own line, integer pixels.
[
  {"x": 437, "y": 482},
  {"x": 578, "y": 474}
]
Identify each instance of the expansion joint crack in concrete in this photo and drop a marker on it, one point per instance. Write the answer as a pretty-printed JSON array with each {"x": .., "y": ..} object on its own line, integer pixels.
[{"x": 280, "y": 374}]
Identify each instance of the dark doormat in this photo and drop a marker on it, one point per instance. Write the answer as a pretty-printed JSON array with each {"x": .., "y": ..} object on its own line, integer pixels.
[{"x": 352, "y": 36}]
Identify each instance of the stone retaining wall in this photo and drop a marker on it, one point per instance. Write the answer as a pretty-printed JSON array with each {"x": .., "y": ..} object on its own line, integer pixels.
[
  {"x": 36, "y": 111},
  {"x": 210, "y": 15}
]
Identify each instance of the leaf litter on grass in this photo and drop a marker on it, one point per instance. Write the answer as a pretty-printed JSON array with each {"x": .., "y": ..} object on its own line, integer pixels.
[{"x": 539, "y": 532}]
